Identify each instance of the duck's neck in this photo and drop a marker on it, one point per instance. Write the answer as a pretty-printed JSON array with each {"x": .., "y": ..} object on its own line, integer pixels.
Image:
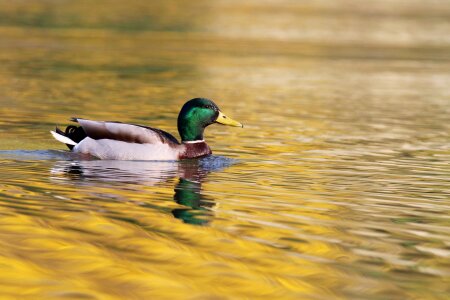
[{"x": 190, "y": 131}]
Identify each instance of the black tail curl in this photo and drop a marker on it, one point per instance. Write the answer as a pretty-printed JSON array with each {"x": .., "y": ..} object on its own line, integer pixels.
[{"x": 75, "y": 133}]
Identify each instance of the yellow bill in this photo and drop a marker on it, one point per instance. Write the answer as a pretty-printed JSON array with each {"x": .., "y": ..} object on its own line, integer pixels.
[{"x": 222, "y": 119}]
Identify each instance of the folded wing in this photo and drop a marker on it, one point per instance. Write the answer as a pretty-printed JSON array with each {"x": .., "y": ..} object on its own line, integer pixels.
[{"x": 130, "y": 133}]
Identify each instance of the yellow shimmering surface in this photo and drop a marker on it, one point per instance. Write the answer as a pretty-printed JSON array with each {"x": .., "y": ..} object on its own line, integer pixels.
[{"x": 337, "y": 187}]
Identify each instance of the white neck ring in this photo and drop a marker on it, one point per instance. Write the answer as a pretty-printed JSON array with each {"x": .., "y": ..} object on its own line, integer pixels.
[{"x": 194, "y": 142}]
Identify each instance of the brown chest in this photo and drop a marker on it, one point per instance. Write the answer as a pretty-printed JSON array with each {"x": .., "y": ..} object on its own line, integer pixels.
[{"x": 193, "y": 150}]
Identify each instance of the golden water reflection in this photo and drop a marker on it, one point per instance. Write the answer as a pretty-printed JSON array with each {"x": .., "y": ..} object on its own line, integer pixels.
[{"x": 189, "y": 176}]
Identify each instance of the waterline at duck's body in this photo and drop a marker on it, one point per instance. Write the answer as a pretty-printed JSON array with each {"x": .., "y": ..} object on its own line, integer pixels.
[{"x": 118, "y": 150}]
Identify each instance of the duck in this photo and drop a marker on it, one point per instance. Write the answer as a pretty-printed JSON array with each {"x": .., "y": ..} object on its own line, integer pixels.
[{"x": 111, "y": 140}]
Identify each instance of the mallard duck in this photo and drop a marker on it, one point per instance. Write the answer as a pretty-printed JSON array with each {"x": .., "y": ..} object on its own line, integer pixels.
[{"x": 120, "y": 141}]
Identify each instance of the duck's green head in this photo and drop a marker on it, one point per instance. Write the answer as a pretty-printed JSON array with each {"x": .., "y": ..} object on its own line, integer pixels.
[{"x": 198, "y": 113}]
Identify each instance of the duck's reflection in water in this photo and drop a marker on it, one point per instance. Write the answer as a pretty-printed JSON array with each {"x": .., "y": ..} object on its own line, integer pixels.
[{"x": 187, "y": 192}]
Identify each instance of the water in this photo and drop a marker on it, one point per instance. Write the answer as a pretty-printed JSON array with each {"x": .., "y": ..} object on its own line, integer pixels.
[{"x": 337, "y": 187}]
